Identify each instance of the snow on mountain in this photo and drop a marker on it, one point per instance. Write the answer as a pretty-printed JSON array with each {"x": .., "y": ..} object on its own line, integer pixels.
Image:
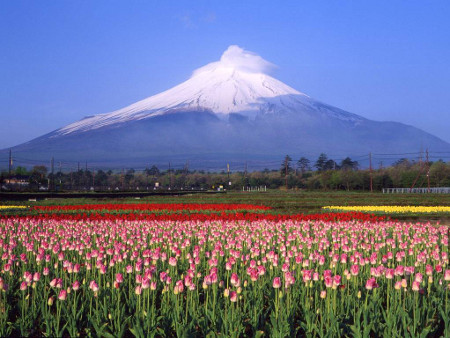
[
  {"x": 238, "y": 83},
  {"x": 231, "y": 111}
]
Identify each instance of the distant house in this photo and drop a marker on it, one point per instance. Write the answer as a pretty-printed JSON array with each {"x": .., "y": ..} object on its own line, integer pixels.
[{"x": 17, "y": 180}]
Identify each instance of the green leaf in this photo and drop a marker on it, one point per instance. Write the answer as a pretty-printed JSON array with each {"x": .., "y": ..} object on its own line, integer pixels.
[
  {"x": 108, "y": 335},
  {"x": 210, "y": 334},
  {"x": 259, "y": 334}
]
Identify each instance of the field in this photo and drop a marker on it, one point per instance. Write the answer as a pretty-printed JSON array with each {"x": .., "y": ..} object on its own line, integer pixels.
[
  {"x": 235, "y": 264},
  {"x": 292, "y": 201},
  {"x": 286, "y": 202}
]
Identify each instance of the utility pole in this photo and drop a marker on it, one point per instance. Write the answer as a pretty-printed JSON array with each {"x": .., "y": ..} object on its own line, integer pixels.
[
  {"x": 286, "y": 173},
  {"x": 370, "y": 168},
  {"x": 59, "y": 174},
  {"x": 86, "y": 178},
  {"x": 170, "y": 178},
  {"x": 428, "y": 172},
  {"x": 53, "y": 174},
  {"x": 245, "y": 175},
  {"x": 421, "y": 168},
  {"x": 123, "y": 177},
  {"x": 10, "y": 163},
  {"x": 93, "y": 178}
]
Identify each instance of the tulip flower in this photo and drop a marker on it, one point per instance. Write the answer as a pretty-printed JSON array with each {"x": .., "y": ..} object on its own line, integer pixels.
[
  {"x": 62, "y": 295},
  {"x": 276, "y": 283},
  {"x": 233, "y": 296}
]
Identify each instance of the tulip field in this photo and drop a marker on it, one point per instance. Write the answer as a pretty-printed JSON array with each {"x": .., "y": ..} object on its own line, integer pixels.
[
  {"x": 392, "y": 209},
  {"x": 219, "y": 270}
]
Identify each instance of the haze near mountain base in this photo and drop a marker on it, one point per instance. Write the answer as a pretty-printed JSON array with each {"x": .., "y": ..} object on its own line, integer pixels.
[{"x": 229, "y": 111}]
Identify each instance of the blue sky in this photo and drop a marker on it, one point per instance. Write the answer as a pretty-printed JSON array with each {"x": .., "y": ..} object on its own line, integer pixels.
[{"x": 63, "y": 60}]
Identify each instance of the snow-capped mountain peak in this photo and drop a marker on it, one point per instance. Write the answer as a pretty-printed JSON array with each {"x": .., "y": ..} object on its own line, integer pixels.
[
  {"x": 201, "y": 119},
  {"x": 237, "y": 83}
]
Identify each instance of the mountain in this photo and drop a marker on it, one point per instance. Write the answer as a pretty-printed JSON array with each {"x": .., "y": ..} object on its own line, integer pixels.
[{"x": 229, "y": 111}]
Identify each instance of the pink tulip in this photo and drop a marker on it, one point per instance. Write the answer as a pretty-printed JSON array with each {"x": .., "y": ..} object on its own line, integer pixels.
[
  {"x": 390, "y": 273},
  {"x": 119, "y": 278},
  {"x": 447, "y": 275},
  {"x": 36, "y": 277},
  {"x": 76, "y": 268},
  {"x": 371, "y": 284},
  {"x": 93, "y": 286},
  {"x": 316, "y": 276},
  {"x": 76, "y": 285},
  {"x": 7, "y": 267},
  {"x": 307, "y": 275},
  {"x": 172, "y": 261},
  {"x": 235, "y": 280},
  {"x": 233, "y": 296},
  {"x": 138, "y": 290},
  {"x": 276, "y": 282},
  {"x": 62, "y": 295},
  {"x": 27, "y": 276},
  {"x": 145, "y": 283},
  {"x": 337, "y": 280}
]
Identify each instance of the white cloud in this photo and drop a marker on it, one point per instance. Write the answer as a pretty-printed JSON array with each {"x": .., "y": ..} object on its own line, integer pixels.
[{"x": 240, "y": 59}]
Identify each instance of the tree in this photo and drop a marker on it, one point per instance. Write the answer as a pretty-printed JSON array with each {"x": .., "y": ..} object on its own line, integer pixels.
[
  {"x": 348, "y": 164},
  {"x": 21, "y": 171},
  {"x": 40, "y": 170},
  {"x": 38, "y": 175},
  {"x": 321, "y": 161},
  {"x": 330, "y": 165},
  {"x": 286, "y": 167},
  {"x": 403, "y": 163},
  {"x": 304, "y": 164},
  {"x": 153, "y": 171},
  {"x": 129, "y": 176},
  {"x": 101, "y": 178},
  {"x": 440, "y": 173}
]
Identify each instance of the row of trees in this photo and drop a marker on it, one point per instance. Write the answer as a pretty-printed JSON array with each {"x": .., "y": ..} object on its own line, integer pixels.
[
  {"x": 323, "y": 163},
  {"x": 328, "y": 174}
]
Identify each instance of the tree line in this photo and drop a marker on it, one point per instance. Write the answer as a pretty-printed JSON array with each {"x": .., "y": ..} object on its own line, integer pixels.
[{"x": 323, "y": 174}]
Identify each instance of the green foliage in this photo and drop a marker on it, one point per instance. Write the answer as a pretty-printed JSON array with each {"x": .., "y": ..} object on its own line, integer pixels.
[{"x": 328, "y": 176}]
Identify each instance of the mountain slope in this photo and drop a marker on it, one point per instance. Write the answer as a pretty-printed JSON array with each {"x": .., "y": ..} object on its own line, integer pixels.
[{"x": 230, "y": 110}]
